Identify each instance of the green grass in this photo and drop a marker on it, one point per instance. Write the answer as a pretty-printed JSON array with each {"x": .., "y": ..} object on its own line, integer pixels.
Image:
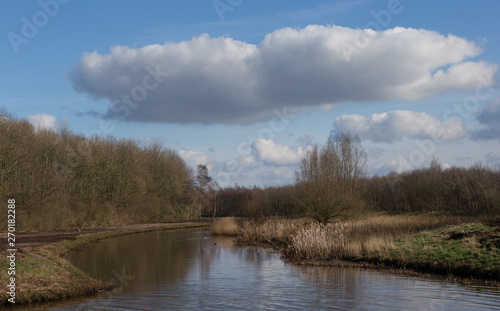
[
  {"x": 467, "y": 251},
  {"x": 39, "y": 279}
]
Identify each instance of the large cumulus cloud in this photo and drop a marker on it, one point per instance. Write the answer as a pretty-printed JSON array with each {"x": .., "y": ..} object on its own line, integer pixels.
[{"x": 222, "y": 80}]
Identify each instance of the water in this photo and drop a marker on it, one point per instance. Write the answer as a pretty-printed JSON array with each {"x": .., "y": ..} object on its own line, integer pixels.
[{"x": 190, "y": 270}]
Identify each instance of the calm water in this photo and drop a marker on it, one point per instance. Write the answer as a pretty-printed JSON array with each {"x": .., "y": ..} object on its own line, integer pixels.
[{"x": 190, "y": 270}]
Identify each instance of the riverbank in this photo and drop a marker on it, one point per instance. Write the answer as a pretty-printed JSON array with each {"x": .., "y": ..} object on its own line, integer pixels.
[
  {"x": 43, "y": 274},
  {"x": 458, "y": 249}
]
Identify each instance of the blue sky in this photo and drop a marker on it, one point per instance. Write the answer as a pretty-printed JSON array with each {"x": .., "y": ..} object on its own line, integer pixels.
[{"x": 246, "y": 87}]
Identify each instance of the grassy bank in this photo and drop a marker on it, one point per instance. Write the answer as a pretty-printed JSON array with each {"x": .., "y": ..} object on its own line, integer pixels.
[
  {"x": 470, "y": 251},
  {"x": 42, "y": 274},
  {"x": 444, "y": 245}
]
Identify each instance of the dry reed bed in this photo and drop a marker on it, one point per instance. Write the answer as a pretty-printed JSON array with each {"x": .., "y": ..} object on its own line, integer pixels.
[
  {"x": 459, "y": 248},
  {"x": 302, "y": 239},
  {"x": 362, "y": 238}
]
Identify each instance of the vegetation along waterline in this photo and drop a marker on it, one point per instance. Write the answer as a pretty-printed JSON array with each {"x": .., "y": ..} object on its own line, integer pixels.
[
  {"x": 43, "y": 274},
  {"x": 460, "y": 248}
]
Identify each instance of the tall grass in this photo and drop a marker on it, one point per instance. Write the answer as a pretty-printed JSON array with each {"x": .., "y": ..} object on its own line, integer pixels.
[
  {"x": 276, "y": 231},
  {"x": 370, "y": 236},
  {"x": 303, "y": 239},
  {"x": 226, "y": 226},
  {"x": 463, "y": 247},
  {"x": 316, "y": 241},
  {"x": 272, "y": 230}
]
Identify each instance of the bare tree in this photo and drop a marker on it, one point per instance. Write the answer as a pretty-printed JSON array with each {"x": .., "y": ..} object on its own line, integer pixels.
[
  {"x": 327, "y": 178},
  {"x": 206, "y": 186}
]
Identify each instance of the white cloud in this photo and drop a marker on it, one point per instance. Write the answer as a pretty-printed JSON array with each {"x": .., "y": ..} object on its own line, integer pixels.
[
  {"x": 272, "y": 153},
  {"x": 243, "y": 169},
  {"x": 246, "y": 161},
  {"x": 401, "y": 166},
  {"x": 43, "y": 121},
  {"x": 194, "y": 158},
  {"x": 395, "y": 125},
  {"x": 247, "y": 170},
  {"x": 238, "y": 165},
  {"x": 222, "y": 80}
]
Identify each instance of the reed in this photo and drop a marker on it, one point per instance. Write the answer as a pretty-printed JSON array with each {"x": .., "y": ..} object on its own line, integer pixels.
[
  {"x": 226, "y": 226},
  {"x": 448, "y": 245},
  {"x": 303, "y": 239}
]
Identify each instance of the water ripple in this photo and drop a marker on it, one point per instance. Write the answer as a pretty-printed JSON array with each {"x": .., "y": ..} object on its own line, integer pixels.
[{"x": 190, "y": 272}]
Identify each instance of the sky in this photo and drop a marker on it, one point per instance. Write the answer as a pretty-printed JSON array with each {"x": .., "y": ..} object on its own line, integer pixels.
[{"x": 248, "y": 87}]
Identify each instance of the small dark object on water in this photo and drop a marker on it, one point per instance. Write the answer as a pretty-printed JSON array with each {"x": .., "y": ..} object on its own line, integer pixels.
[{"x": 215, "y": 243}]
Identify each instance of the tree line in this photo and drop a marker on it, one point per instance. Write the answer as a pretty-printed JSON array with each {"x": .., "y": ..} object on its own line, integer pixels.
[
  {"x": 63, "y": 180},
  {"x": 330, "y": 186},
  {"x": 456, "y": 190}
]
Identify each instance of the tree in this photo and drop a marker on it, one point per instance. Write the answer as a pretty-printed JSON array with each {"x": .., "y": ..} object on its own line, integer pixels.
[
  {"x": 327, "y": 178},
  {"x": 206, "y": 186}
]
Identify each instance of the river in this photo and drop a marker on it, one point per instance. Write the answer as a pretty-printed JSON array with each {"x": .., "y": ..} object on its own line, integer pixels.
[{"x": 191, "y": 270}]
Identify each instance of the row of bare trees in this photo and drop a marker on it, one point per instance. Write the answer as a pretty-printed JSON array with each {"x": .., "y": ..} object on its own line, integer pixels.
[
  {"x": 255, "y": 202},
  {"x": 456, "y": 190},
  {"x": 330, "y": 186},
  {"x": 62, "y": 180}
]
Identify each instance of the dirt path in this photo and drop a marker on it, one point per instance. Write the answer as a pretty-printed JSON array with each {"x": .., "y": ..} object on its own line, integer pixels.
[{"x": 30, "y": 240}]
